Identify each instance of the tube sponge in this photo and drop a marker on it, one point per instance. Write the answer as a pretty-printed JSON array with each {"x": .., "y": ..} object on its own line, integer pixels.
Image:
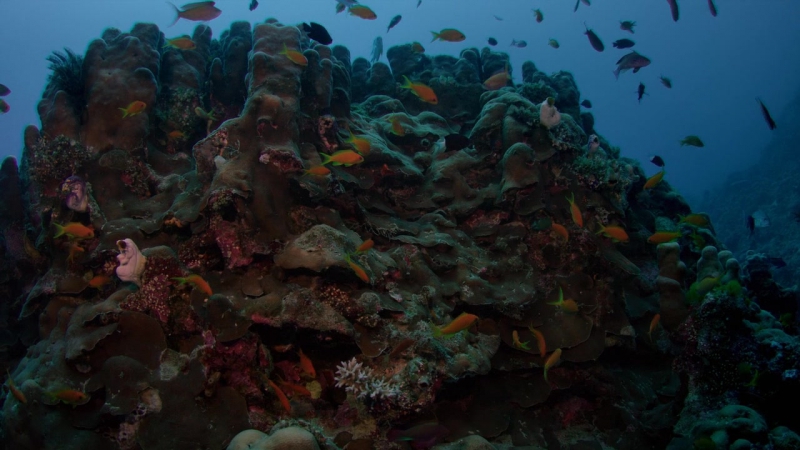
[{"x": 131, "y": 262}]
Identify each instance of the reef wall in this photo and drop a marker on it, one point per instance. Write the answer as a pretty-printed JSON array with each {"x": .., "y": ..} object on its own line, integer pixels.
[{"x": 192, "y": 276}]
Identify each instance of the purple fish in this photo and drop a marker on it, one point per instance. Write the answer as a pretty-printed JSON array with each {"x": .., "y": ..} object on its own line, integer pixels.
[
  {"x": 673, "y": 6},
  {"x": 424, "y": 435},
  {"x": 632, "y": 60}
]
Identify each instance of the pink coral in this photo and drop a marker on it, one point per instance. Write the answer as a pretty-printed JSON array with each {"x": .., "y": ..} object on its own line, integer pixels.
[{"x": 242, "y": 363}]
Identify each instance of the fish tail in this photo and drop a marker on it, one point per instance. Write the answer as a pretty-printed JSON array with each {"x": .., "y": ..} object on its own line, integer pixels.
[
  {"x": 435, "y": 36},
  {"x": 616, "y": 73},
  {"x": 602, "y": 229},
  {"x": 59, "y": 230},
  {"x": 406, "y": 83},
  {"x": 326, "y": 158},
  {"x": 180, "y": 280},
  {"x": 124, "y": 112},
  {"x": 437, "y": 332},
  {"x": 285, "y": 50},
  {"x": 177, "y": 14}
]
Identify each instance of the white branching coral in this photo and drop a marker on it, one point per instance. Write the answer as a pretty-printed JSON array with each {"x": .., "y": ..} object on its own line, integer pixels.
[{"x": 362, "y": 382}]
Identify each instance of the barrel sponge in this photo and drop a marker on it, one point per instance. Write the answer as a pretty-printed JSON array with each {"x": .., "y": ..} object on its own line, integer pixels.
[{"x": 291, "y": 438}]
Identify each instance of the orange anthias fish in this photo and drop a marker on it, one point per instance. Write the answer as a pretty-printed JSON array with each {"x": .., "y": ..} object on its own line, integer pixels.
[
  {"x": 99, "y": 281},
  {"x": 363, "y": 12},
  {"x": 365, "y": 246},
  {"x": 568, "y": 305},
  {"x": 698, "y": 220},
  {"x": 614, "y": 232},
  {"x": 460, "y": 323},
  {"x": 360, "y": 144},
  {"x": 498, "y": 80},
  {"x": 552, "y": 361},
  {"x": 416, "y": 47},
  {"x": 397, "y": 126},
  {"x": 654, "y": 180},
  {"x": 133, "y": 108},
  {"x": 653, "y": 325},
  {"x": 296, "y": 388},
  {"x": 359, "y": 271},
  {"x": 175, "y": 135},
  {"x": 294, "y": 56},
  {"x": 281, "y": 396},
  {"x": 181, "y": 43},
  {"x": 69, "y": 396},
  {"x": 342, "y": 158},
  {"x": 424, "y": 93},
  {"x": 74, "y": 249},
  {"x": 539, "y": 340},
  {"x": 197, "y": 12},
  {"x": 319, "y": 171},
  {"x": 577, "y": 217},
  {"x": 660, "y": 237},
  {"x": 197, "y": 281},
  {"x": 517, "y": 344},
  {"x": 560, "y": 230},
  {"x": 15, "y": 391},
  {"x": 448, "y": 35},
  {"x": 306, "y": 364},
  {"x": 74, "y": 230}
]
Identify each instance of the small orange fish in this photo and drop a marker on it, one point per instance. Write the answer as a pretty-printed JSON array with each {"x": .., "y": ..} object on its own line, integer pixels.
[
  {"x": 175, "y": 135},
  {"x": 498, "y": 80},
  {"x": 422, "y": 91},
  {"x": 653, "y": 325},
  {"x": 306, "y": 364},
  {"x": 133, "y": 109},
  {"x": 698, "y": 220},
  {"x": 294, "y": 56},
  {"x": 69, "y": 396},
  {"x": 654, "y": 180},
  {"x": 282, "y": 348},
  {"x": 660, "y": 237},
  {"x": 560, "y": 230},
  {"x": 342, "y": 158},
  {"x": 365, "y": 246},
  {"x": 359, "y": 271},
  {"x": 552, "y": 361},
  {"x": 197, "y": 281},
  {"x": 181, "y": 43},
  {"x": 386, "y": 171},
  {"x": 517, "y": 344},
  {"x": 74, "y": 249},
  {"x": 73, "y": 230},
  {"x": 197, "y": 12},
  {"x": 360, "y": 144},
  {"x": 539, "y": 340},
  {"x": 319, "y": 171},
  {"x": 462, "y": 322},
  {"x": 416, "y": 47},
  {"x": 568, "y": 305},
  {"x": 363, "y": 12},
  {"x": 281, "y": 396},
  {"x": 448, "y": 35},
  {"x": 614, "y": 232},
  {"x": 99, "y": 281},
  {"x": 577, "y": 217},
  {"x": 404, "y": 345},
  {"x": 397, "y": 127},
  {"x": 15, "y": 391},
  {"x": 296, "y": 388}
]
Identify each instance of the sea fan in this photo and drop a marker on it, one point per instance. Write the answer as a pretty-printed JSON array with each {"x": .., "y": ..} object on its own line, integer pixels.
[{"x": 67, "y": 75}]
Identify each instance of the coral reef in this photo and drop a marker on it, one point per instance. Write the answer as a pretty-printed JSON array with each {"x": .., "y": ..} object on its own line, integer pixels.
[{"x": 214, "y": 281}]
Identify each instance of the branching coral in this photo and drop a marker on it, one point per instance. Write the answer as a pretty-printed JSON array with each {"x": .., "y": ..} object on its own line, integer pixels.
[{"x": 362, "y": 382}]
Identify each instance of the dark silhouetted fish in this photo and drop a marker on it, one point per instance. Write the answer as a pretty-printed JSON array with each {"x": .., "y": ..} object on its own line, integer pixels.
[
  {"x": 4, "y": 107},
  {"x": 627, "y": 25},
  {"x": 518, "y": 44},
  {"x": 597, "y": 44},
  {"x": 318, "y": 33},
  {"x": 253, "y": 5},
  {"x": 395, "y": 20},
  {"x": 751, "y": 224},
  {"x": 623, "y": 43},
  {"x": 640, "y": 92},
  {"x": 767, "y": 116},
  {"x": 632, "y": 60},
  {"x": 4, "y": 90},
  {"x": 455, "y": 142},
  {"x": 673, "y": 7},
  {"x": 666, "y": 82},
  {"x": 578, "y": 3},
  {"x": 424, "y": 435},
  {"x": 586, "y": 104},
  {"x": 377, "y": 49},
  {"x": 492, "y": 41},
  {"x": 712, "y": 7},
  {"x": 657, "y": 160}
]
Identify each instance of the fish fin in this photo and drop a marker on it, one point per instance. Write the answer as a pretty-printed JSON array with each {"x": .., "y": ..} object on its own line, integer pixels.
[
  {"x": 435, "y": 36},
  {"x": 177, "y": 14},
  {"x": 616, "y": 73},
  {"x": 326, "y": 158},
  {"x": 59, "y": 230},
  {"x": 124, "y": 112}
]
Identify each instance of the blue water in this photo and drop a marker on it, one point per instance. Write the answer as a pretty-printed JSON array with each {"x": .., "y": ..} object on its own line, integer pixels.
[{"x": 718, "y": 65}]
